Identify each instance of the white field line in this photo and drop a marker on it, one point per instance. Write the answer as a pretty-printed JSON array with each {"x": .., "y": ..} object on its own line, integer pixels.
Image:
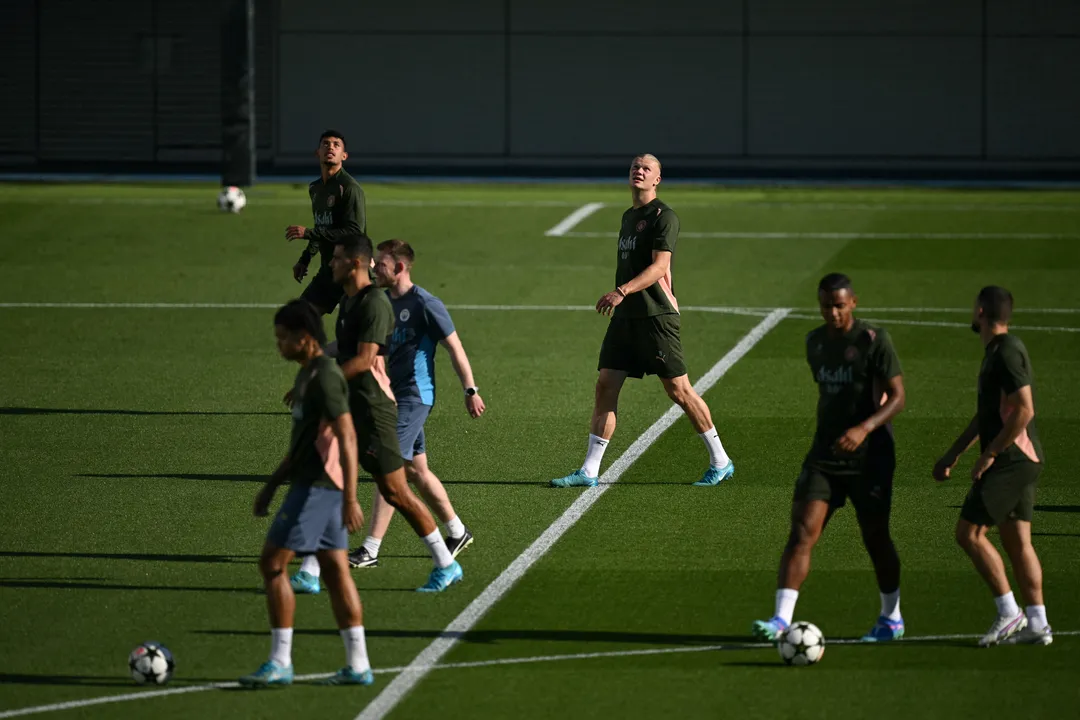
[
  {"x": 571, "y": 220},
  {"x": 727, "y": 309},
  {"x": 149, "y": 694},
  {"x": 450, "y": 202},
  {"x": 400, "y": 686},
  {"x": 945, "y": 324},
  {"x": 853, "y": 235}
]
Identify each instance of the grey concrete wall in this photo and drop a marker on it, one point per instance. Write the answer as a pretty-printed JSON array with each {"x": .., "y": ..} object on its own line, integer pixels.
[{"x": 574, "y": 83}]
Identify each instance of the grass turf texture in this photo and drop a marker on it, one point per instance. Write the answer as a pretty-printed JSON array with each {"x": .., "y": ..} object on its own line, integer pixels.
[{"x": 133, "y": 441}]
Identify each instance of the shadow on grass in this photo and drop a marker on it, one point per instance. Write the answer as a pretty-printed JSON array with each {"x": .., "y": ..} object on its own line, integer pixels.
[
  {"x": 1058, "y": 508},
  {"x": 152, "y": 557},
  {"x": 91, "y": 680},
  {"x": 68, "y": 584},
  {"x": 489, "y": 637},
  {"x": 261, "y": 477},
  {"x": 227, "y": 477},
  {"x": 110, "y": 411},
  {"x": 26, "y": 410}
]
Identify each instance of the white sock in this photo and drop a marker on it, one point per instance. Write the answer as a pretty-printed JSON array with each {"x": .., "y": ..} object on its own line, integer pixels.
[
  {"x": 281, "y": 646},
  {"x": 1036, "y": 615},
  {"x": 455, "y": 528},
  {"x": 718, "y": 458},
  {"x": 593, "y": 455},
  {"x": 355, "y": 648},
  {"x": 439, "y": 553},
  {"x": 372, "y": 544},
  {"x": 1006, "y": 605},
  {"x": 785, "y": 604},
  {"x": 310, "y": 565},
  {"x": 890, "y": 605}
]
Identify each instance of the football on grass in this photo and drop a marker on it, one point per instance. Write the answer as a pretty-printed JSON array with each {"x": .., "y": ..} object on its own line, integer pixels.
[
  {"x": 802, "y": 644},
  {"x": 231, "y": 199},
  {"x": 151, "y": 664}
]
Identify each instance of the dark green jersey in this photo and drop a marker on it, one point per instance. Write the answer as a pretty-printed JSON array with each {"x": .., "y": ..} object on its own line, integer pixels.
[
  {"x": 319, "y": 396},
  {"x": 339, "y": 209},
  {"x": 644, "y": 230},
  {"x": 851, "y": 372},
  {"x": 1005, "y": 369},
  {"x": 366, "y": 317}
]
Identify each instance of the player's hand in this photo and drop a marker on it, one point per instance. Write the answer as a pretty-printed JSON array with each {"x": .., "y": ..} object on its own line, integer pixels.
[
  {"x": 475, "y": 405},
  {"x": 850, "y": 441},
  {"x": 287, "y": 399},
  {"x": 607, "y": 304},
  {"x": 981, "y": 466},
  {"x": 295, "y": 232},
  {"x": 299, "y": 271},
  {"x": 352, "y": 517},
  {"x": 262, "y": 500},
  {"x": 943, "y": 468}
]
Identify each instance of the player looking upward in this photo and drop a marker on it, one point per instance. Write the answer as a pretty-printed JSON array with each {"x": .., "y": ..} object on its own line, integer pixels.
[
  {"x": 338, "y": 207},
  {"x": 643, "y": 334}
]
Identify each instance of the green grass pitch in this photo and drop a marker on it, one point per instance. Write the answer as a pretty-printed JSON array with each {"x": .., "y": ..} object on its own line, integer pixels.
[{"x": 133, "y": 440}]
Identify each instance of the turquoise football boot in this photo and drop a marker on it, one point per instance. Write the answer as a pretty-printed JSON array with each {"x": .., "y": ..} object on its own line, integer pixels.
[
  {"x": 442, "y": 578},
  {"x": 715, "y": 475}
]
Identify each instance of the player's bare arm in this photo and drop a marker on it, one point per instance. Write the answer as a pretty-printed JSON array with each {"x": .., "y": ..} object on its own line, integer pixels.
[
  {"x": 474, "y": 404},
  {"x": 893, "y": 405},
  {"x": 366, "y": 355},
  {"x": 1022, "y": 407},
  {"x": 970, "y": 436},
  {"x": 266, "y": 494},
  {"x": 352, "y": 516},
  {"x": 648, "y": 277}
]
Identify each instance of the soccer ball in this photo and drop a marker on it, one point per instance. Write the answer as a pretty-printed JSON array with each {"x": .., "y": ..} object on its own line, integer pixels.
[
  {"x": 231, "y": 199},
  {"x": 151, "y": 663},
  {"x": 802, "y": 644}
]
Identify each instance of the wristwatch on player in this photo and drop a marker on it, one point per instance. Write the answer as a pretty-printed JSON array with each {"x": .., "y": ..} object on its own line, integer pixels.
[{"x": 470, "y": 391}]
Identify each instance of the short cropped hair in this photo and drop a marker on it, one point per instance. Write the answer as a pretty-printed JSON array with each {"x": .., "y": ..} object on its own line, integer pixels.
[
  {"x": 301, "y": 316},
  {"x": 650, "y": 156},
  {"x": 996, "y": 303},
  {"x": 834, "y": 282},
  {"x": 357, "y": 246},
  {"x": 400, "y": 250},
  {"x": 333, "y": 134}
]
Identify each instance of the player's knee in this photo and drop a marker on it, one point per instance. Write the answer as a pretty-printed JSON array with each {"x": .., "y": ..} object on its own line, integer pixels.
[
  {"x": 270, "y": 567},
  {"x": 967, "y": 536},
  {"x": 802, "y": 537},
  {"x": 398, "y": 497},
  {"x": 680, "y": 393}
]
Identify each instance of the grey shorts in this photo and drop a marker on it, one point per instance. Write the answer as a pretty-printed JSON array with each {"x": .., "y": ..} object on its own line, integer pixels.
[
  {"x": 309, "y": 520},
  {"x": 410, "y": 429}
]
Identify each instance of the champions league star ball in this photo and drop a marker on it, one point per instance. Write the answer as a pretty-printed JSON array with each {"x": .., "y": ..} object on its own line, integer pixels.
[
  {"x": 151, "y": 663},
  {"x": 802, "y": 644},
  {"x": 231, "y": 199}
]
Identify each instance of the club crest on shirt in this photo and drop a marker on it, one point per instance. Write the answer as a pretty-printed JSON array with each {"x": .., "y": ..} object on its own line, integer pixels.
[
  {"x": 641, "y": 225},
  {"x": 330, "y": 201},
  {"x": 851, "y": 353},
  {"x": 404, "y": 315}
]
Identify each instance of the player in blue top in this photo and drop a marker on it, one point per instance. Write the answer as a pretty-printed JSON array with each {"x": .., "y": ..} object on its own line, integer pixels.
[{"x": 421, "y": 323}]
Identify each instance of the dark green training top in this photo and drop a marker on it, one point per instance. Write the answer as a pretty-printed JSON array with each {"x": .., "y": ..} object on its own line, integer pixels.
[
  {"x": 1005, "y": 369},
  {"x": 651, "y": 227},
  {"x": 338, "y": 207},
  {"x": 851, "y": 372}
]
